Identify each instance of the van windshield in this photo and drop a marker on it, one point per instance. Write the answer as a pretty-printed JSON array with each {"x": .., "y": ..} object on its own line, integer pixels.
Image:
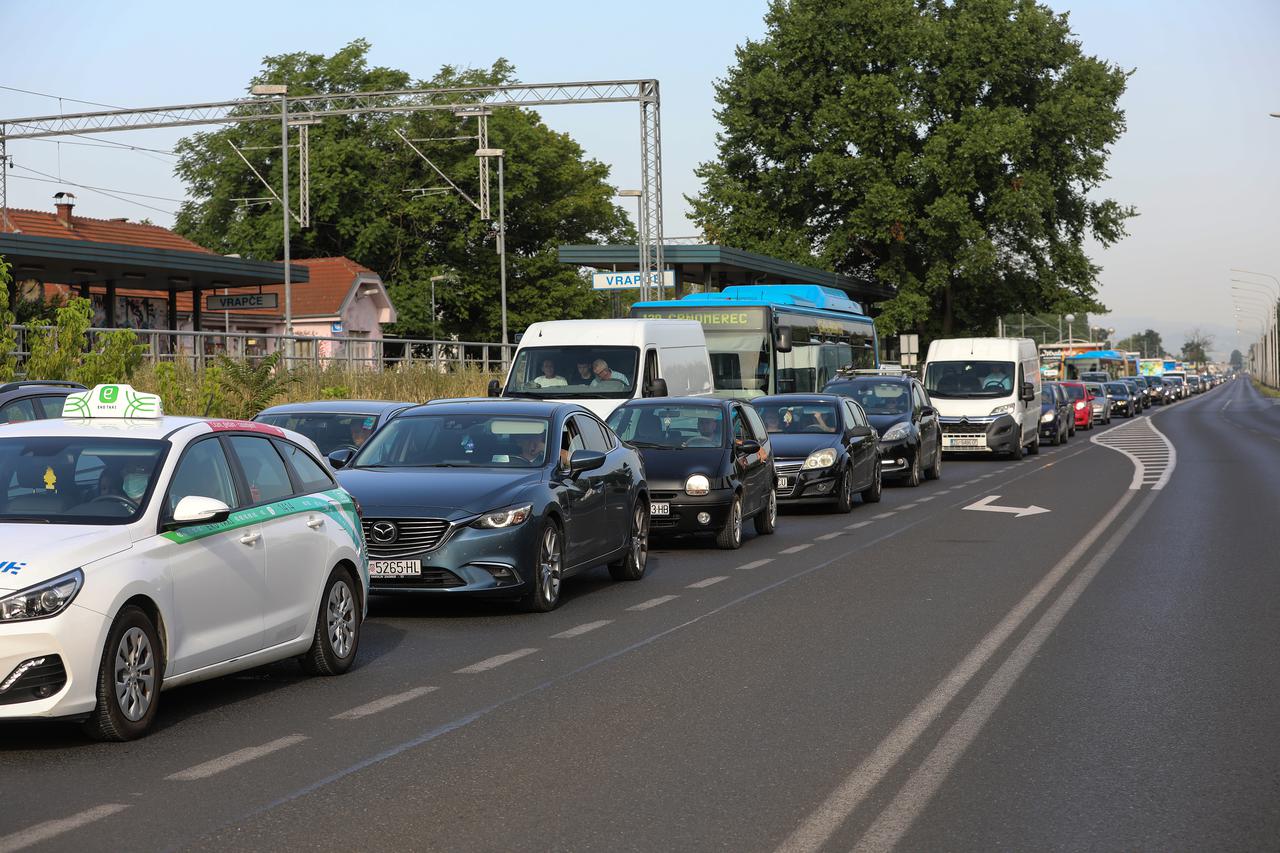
[
  {"x": 588, "y": 371},
  {"x": 969, "y": 379}
]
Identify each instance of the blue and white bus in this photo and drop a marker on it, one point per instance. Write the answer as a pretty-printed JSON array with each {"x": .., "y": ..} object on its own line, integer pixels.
[{"x": 775, "y": 338}]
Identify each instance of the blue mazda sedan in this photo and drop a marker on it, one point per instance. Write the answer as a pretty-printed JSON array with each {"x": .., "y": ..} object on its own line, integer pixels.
[{"x": 497, "y": 498}]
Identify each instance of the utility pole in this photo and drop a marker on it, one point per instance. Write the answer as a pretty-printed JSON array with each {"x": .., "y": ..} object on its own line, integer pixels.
[{"x": 502, "y": 239}]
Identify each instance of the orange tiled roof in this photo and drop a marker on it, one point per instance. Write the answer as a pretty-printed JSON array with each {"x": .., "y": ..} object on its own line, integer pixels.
[{"x": 40, "y": 224}]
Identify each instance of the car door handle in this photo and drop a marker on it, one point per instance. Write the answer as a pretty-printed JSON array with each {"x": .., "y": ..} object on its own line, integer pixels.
[
  {"x": 250, "y": 538},
  {"x": 315, "y": 522}
]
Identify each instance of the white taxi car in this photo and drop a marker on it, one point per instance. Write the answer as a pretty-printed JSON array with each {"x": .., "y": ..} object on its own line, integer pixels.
[{"x": 141, "y": 552}]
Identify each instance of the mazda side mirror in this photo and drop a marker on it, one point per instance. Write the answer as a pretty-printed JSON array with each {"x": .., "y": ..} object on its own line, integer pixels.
[
  {"x": 340, "y": 457},
  {"x": 585, "y": 460},
  {"x": 195, "y": 509}
]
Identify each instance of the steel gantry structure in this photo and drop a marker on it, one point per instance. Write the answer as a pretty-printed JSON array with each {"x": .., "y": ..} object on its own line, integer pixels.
[{"x": 465, "y": 100}]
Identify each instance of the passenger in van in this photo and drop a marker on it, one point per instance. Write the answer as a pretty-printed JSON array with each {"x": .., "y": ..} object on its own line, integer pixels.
[
  {"x": 549, "y": 377},
  {"x": 584, "y": 376},
  {"x": 600, "y": 368}
]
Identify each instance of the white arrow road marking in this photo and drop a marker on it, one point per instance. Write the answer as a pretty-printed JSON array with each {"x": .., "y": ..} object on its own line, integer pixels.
[{"x": 985, "y": 505}]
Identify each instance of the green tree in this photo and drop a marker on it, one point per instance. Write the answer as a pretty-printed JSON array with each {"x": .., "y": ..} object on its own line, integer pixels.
[
  {"x": 1148, "y": 343},
  {"x": 948, "y": 147},
  {"x": 8, "y": 336},
  {"x": 1237, "y": 359},
  {"x": 374, "y": 200},
  {"x": 62, "y": 350},
  {"x": 249, "y": 388},
  {"x": 1195, "y": 348}
]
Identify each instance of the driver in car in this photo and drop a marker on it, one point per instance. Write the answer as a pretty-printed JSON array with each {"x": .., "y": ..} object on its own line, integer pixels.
[{"x": 532, "y": 446}]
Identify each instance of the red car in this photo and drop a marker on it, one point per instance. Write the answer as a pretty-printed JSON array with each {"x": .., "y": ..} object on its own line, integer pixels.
[{"x": 1080, "y": 398}]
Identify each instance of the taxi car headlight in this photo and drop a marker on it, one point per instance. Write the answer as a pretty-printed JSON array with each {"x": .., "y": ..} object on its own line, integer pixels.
[
  {"x": 896, "y": 432},
  {"x": 1047, "y": 417},
  {"x": 697, "y": 485},
  {"x": 42, "y": 600},
  {"x": 512, "y": 516},
  {"x": 824, "y": 458},
  {"x": 1002, "y": 410}
]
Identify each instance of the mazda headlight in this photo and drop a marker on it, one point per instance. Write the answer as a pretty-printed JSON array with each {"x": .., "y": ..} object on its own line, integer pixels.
[
  {"x": 499, "y": 519},
  {"x": 42, "y": 600},
  {"x": 896, "y": 432},
  {"x": 824, "y": 458},
  {"x": 697, "y": 485},
  {"x": 1047, "y": 417},
  {"x": 1002, "y": 410}
]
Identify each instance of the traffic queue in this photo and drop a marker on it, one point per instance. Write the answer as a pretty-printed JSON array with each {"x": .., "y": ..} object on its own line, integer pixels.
[{"x": 147, "y": 551}]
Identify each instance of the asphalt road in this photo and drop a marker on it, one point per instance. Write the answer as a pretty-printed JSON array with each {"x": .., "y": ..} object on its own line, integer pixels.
[{"x": 916, "y": 674}]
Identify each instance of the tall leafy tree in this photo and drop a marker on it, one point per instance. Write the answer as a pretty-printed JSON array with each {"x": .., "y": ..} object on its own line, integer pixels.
[
  {"x": 1195, "y": 348},
  {"x": 949, "y": 147},
  {"x": 376, "y": 201},
  {"x": 1237, "y": 359},
  {"x": 1149, "y": 343}
]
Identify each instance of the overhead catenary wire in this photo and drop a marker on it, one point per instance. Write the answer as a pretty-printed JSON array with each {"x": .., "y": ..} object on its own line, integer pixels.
[{"x": 100, "y": 190}]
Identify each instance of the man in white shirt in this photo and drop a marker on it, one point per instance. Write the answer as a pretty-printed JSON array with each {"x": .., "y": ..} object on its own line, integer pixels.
[
  {"x": 549, "y": 378},
  {"x": 603, "y": 374}
]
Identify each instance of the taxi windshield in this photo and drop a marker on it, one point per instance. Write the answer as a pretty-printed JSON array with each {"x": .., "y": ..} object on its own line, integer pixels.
[
  {"x": 76, "y": 480},
  {"x": 457, "y": 441}
]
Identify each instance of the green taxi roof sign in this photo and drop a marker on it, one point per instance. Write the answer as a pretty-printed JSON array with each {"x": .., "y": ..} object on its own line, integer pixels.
[{"x": 113, "y": 401}]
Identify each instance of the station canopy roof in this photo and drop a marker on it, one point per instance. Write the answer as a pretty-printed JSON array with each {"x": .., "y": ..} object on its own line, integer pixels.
[
  {"x": 721, "y": 266},
  {"x": 66, "y": 261}
]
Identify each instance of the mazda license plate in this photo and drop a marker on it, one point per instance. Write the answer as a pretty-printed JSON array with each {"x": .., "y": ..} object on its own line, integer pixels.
[
  {"x": 660, "y": 509},
  {"x": 395, "y": 568}
]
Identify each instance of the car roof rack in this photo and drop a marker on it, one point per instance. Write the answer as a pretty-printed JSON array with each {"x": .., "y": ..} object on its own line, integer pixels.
[{"x": 47, "y": 383}]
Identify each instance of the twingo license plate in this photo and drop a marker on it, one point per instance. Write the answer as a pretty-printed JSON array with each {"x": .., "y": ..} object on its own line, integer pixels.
[
  {"x": 659, "y": 509},
  {"x": 395, "y": 568}
]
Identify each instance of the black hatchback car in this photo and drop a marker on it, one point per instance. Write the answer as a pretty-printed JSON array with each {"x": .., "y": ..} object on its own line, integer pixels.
[
  {"x": 497, "y": 498},
  {"x": 827, "y": 450},
  {"x": 902, "y": 413},
  {"x": 708, "y": 463},
  {"x": 1056, "y": 415},
  {"x": 334, "y": 424},
  {"x": 34, "y": 400}
]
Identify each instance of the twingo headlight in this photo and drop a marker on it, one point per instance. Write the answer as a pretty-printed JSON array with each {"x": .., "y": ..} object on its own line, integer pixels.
[
  {"x": 824, "y": 458},
  {"x": 697, "y": 485},
  {"x": 1047, "y": 417},
  {"x": 897, "y": 432},
  {"x": 502, "y": 518},
  {"x": 1002, "y": 410},
  {"x": 42, "y": 600}
]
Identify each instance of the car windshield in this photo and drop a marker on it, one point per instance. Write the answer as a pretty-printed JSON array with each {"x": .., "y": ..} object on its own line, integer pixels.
[
  {"x": 558, "y": 372},
  {"x": 878, "y": 397},
  {"x": 1176, "y": 380},
  {"x": 1074, "y": 392},
  {"x": 799, "y": 417},
  {"x": 457, "y": 441},
  {"x": 1118, "y": 388},
  {"x": 330, "y": 431},
  {"x": 669, "y": 427},
  {"x": 968, "y": 379},
  {"x": 76, "y": 480},
  {"x": 1094, "y": 388}
]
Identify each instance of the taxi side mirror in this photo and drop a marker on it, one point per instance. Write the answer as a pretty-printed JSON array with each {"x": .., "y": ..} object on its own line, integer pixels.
[{"x": 196, "y": 509}]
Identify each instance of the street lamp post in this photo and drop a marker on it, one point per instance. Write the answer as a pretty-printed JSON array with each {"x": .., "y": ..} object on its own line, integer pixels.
[
  {"x": 502, "y": 240},
  {"x": 1070, "y": 318}
]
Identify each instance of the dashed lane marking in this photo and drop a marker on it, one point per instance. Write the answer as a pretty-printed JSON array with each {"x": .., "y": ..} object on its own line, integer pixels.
[
  {"x": 234, "y": 759},
  {"x": 884, "y": 514},
  {"x": 925, "y": 498},
  {"x": 826, "y": 537},
  {"x": 25, "y": 838},
  {"x": 857, "y": 525},
  {"x": 581, "y": 629},
  {"x": 383, "y": 704},
  {"x": 494, "y": 662},
  {"x": 796, "y": 549},
  {"x": 653, "y": 602},
  {"x": 755, "y": 564},
  {"x": 706, "y": 582},
  {"x": 909, "y": 506}
]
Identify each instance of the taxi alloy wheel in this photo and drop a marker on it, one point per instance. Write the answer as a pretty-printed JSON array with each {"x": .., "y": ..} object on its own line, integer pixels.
[
  {"x": 632, "y": 565},
  {"x": 730, "y": 536},
  {"x": 130, "y": 675},
  {"x": 337, "y": 633},
  {"x": 545, "y": 595}
]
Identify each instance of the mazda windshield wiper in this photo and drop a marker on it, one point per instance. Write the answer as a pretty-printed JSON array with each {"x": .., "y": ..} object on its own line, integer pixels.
[
  {"x": 24, "y": 519},
  {"x": 649, "y": 445}
]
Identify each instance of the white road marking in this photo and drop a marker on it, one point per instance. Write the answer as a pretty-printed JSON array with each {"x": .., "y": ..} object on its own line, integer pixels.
[
  {"x": 1154, "y": 457},
  {"x": 884, "y": 514},
  {"x": 581, "y": 629},
  {"x": 234, "y": 759},
  {"x": 703, "y": 584},
  {"x": 987, "y": 504},
  {"x": 832, "y": 535},
  {"x": 1224, "y": 406},
  {"x": 925, "y": 498},
  {"x": 898, "y": 817},
  {"x": 494, "y": 662},
  {"x": 24, "y": 838},
  {"x": 908, "y": 506},
  {"x": 796, "y": 549},
  {"x": 755, "y": 564},
  {"x": 654, "y": 602},
  {"x": 822, "y": 823},
  {"x": 856, "y": 525},
  {"x": 383, "y": 704}
]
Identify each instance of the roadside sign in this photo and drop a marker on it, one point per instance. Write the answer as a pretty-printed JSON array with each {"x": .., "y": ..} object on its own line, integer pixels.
[
  {"x": 628, "y": 280},
  {"x": 242, "y": 301}
]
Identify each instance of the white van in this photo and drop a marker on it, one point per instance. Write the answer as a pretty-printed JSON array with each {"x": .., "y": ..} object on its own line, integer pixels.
[
  {"x": 987, "y": 393},
  {"x": 600, "y": 364}
]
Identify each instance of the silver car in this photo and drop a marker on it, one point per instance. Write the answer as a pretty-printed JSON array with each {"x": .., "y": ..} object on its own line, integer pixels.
[{"x": 1099, "y": 402}]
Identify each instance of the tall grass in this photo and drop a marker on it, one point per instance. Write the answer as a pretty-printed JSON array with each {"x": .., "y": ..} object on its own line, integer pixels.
[{"x": 209, "y": 392}]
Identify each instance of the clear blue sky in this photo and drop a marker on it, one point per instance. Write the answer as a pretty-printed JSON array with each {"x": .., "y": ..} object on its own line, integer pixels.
[{"x": 1201, "y": 159}]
